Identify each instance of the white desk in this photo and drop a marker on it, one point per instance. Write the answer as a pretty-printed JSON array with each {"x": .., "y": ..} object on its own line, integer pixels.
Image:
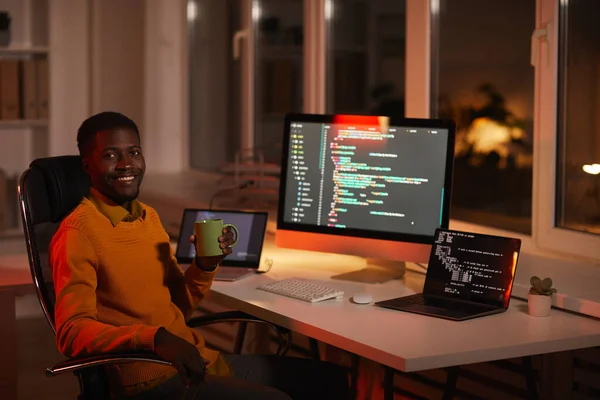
[
  {"x": 403, "y": 341},
  {"x": 407, "y": 342}
]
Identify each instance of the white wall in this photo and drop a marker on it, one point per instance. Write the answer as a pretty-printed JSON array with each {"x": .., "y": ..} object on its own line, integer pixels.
[
  {"x": 117, "y": 54},
  {"x": 209, "y": 86},
  {"x": 128, "y": 56},
  {"x": 96, "y": 64},
  {"x": 69, "y": 25},
  {"x": 165, "y": 136}
]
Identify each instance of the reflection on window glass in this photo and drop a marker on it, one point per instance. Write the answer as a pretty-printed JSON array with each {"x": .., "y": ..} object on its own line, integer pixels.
[
  {"x": 485, "y": 83},
  {"x": 366, "y": 57},
  {"x": 279, "y": 74},
  {"x": 578, "y": 186},
  {"x": 214, "y": 88}
]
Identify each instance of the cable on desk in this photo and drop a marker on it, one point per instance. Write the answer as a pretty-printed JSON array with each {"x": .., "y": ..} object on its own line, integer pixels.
[
  {"x": 419, "y": 268},
  {"x": 269, "y": 262},
  {"x": 271, "y": 232}
]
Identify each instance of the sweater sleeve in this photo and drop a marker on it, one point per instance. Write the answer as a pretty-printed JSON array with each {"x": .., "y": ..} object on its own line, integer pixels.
[
  {"x": 189, "y": 288},
  {"x": 78, "y": 332}
]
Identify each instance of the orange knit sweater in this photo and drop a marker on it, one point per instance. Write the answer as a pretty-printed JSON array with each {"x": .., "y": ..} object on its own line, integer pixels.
[{"x": 116, "y": 283}]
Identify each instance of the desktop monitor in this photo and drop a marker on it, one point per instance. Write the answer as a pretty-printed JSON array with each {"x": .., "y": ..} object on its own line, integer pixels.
[{"x": 371, "y": 186}]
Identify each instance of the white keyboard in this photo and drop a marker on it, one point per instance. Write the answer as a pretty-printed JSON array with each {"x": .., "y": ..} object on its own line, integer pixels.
[{"x": 302, "y": 290}]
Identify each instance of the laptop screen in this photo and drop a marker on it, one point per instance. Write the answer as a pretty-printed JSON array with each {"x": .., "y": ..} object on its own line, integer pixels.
[
  {"x": 250, "y": 225},
  {"x": 472, "y": 267}
]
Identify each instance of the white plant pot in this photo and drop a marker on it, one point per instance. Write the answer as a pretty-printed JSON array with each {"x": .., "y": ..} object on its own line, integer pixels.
[{"x": 539, "y": 305}]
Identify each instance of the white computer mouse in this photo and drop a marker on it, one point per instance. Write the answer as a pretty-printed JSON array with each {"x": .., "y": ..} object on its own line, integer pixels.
[{"x": 362, "y": 298}]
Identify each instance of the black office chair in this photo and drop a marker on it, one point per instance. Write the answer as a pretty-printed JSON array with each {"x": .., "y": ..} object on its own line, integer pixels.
[{"x": 48, "y": 191}]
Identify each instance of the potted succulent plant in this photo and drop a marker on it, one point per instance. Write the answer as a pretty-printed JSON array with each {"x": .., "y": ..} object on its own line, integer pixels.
[{"x": 540, "y": 296}]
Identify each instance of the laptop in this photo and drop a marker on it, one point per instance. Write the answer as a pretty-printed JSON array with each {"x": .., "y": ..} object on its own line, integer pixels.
[
  {"x": 245, "y": 257},
  {"x": 469, "y": 275}
]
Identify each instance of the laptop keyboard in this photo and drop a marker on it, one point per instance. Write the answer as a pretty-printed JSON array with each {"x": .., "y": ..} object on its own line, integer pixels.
[
  {"x": 414, "y": 299},
  {"x": 232, "y": 272},
  {"x": 442, "y": 304}
]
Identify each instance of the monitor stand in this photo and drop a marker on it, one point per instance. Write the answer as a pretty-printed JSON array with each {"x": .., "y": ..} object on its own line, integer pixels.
[{"x": 376, "y": 271}]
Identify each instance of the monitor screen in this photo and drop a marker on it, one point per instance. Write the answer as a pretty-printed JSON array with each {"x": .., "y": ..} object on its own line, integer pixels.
[
  {"x": 472, "y": 266},
  {"x": 370, "y": 177}
]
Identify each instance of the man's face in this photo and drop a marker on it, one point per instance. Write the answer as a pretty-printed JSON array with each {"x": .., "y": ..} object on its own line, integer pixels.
[{"x": 116, "y": 165}]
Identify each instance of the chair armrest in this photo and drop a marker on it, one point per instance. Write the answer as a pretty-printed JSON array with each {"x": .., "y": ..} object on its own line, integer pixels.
[
  {"x": 76, "y": 364},
  {"x": 283, "y": 334}
]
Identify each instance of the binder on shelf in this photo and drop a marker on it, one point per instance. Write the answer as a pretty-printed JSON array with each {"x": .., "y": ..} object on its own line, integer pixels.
[
  {"x": 3, "y": 201},
  {"x": 43, "y": 88},
  {"x": 29, "y": 89},
  {"x": 9, "y": 90}
]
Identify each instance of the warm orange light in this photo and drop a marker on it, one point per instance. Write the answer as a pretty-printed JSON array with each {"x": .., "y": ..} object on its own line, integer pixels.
[
  {"x": 592, "y": 169},
  {"x": 372, "y": 120},
  {"x": 512, "y": 276},
  {"x": 487, "y": 135}
]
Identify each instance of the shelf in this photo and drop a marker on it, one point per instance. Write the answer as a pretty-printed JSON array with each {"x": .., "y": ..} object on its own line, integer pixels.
[
  {"x": 23, "y": 123},
  {"x": 11, "y": 233},
  {"x": 23, "y": 50}
]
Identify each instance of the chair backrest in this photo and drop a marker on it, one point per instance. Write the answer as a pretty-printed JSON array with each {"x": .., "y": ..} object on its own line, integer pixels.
[{"x": 48, "y": 191}]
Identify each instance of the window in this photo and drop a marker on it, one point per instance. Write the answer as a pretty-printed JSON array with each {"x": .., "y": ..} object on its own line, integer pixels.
[
  {"x": 482, "y": 78},
  {"x": 365, "y": 56},
  {"x": 279, "y": 36},
  {"x": 554, "y": 229},
  {"x": 214, "y": 89},
  {"x": 537, "y": 46},
  {"x": 578, "y": 169},
  {"x": 529, "y": 142}
]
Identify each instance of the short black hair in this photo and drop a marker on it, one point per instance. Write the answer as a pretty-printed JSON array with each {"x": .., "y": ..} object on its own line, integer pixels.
[{"x": 104, "y": 121}]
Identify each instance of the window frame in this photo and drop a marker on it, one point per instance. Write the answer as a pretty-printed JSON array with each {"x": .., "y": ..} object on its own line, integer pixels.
[
  {"x": 548, "y": 236},
  {"x": 546, "y": 239}
]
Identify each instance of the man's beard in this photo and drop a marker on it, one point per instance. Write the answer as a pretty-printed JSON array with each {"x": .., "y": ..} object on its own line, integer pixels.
[
  {"x": 121, "y": 199},
  {"x": 127, "y": 199}
]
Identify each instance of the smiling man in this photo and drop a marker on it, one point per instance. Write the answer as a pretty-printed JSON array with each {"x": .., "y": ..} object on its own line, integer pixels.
[
  {"x": 119, "y": 288},
  {"x": 114, "y": 161}
]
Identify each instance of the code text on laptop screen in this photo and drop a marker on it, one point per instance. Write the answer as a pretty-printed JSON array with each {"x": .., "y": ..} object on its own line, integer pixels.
[{"x": 472, "y": 266}]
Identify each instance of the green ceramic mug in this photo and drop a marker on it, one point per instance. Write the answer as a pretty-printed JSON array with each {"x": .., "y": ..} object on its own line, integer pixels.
[{"x": 207, "y": 233}]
